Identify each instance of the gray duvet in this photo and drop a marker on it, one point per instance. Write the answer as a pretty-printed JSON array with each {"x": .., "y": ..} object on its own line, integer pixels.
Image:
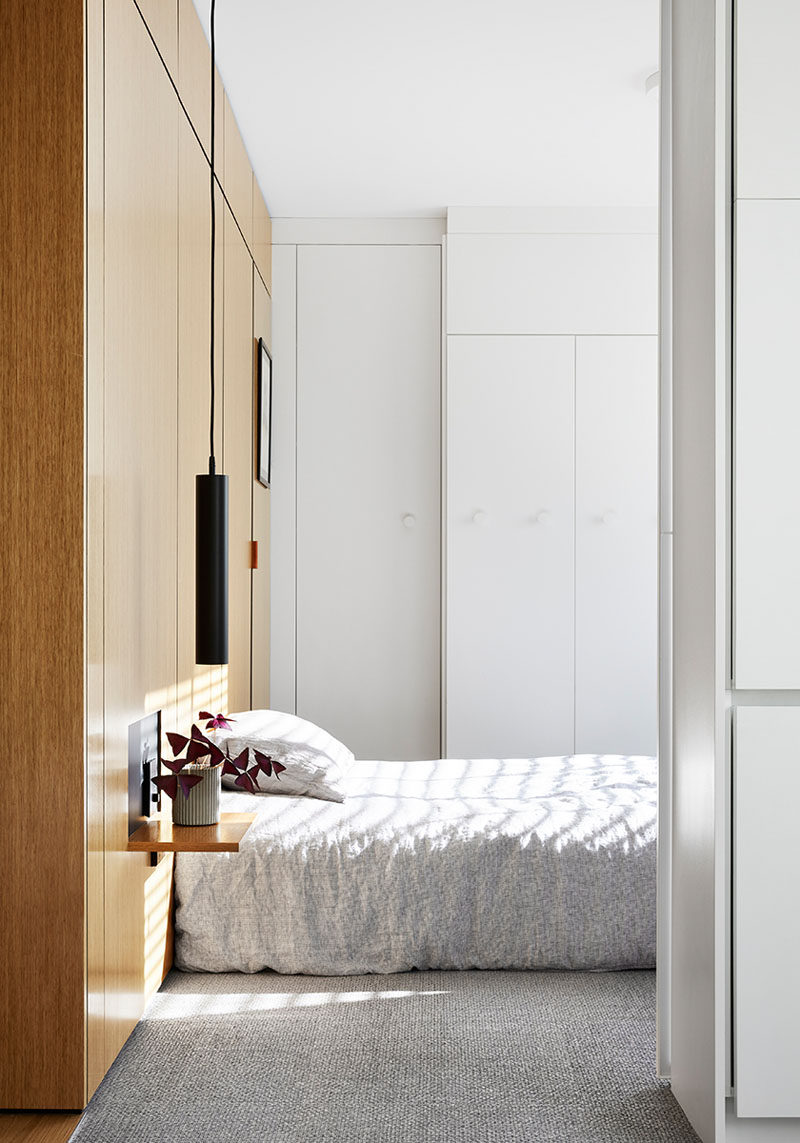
[{"x": 521, "y": 863}]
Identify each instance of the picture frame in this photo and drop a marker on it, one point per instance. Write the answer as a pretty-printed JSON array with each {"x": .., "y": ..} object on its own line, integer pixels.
[{"x": 264, "y": 416}]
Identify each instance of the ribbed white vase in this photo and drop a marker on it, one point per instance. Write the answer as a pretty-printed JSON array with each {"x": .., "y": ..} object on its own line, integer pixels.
[{"x": 201, "y": 807}]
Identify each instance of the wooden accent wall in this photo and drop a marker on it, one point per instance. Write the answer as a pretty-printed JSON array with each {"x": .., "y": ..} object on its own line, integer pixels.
[
  {"x": 259, "y": 667},
  {"x": 42, "y": 883},
  {"x": 140, "y": 477},
  {"x": 199, "y": 687},
  {"x": 104, "y": 426},
  {"x": 238, "y": 455}
]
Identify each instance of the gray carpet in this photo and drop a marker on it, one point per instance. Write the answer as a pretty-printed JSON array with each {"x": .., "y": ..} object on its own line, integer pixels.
[{"x": 421, "y": 1057}]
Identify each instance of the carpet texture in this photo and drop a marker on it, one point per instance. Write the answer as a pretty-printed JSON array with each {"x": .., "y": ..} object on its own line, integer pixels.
[{"x": 421, "y": 1057}]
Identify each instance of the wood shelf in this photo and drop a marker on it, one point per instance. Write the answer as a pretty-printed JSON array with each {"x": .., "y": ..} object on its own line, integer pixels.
[{"x": 159, "y": 835}]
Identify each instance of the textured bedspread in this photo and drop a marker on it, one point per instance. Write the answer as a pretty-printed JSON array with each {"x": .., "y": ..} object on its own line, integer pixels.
[{"x": 522, "y": 863}]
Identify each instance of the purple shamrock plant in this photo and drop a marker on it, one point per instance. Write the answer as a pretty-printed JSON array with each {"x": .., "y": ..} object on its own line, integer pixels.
[{"x": 202, "y": 754}]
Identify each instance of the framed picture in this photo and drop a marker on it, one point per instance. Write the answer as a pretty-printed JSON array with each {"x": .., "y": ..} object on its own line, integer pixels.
[{"x": 264, "y": 414}]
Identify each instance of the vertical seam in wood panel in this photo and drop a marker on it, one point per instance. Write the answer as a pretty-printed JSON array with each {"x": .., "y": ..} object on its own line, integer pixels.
[
  {"x": 86, "y": 551},
  {"x": 103, "y": 517},
  {"x": 105, "y": 775},
  {"x": 178, "y": 395}
]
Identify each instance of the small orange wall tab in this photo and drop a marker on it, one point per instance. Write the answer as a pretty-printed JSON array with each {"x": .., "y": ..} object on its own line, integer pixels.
[{"x": 254, "y": 554}]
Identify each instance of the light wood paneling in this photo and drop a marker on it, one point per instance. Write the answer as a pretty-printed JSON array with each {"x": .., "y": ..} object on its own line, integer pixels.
[
  {"x": 262, "y": 328},
  {"x": 95, "y": 776},
  {"x": 192, "y": 81},
  {"x": 48, "y": 1128},
  {"x": 160, "y": 835},
  {"x": 238, "y": 454},
  {"x": 141, "y": 242},
  {"x": 161, "y": 17},
  {"x": 262, "y": 236},
  {"x": 41, "y": 557},
  {"x": 199, "y": 687},
  {"x": 237, "y": 178}
]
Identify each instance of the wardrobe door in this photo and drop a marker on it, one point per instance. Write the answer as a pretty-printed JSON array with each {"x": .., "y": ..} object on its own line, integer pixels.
[
  {"x": 510, "y": 570},
  {"x": 368, "y": 506},
  {"x": 766, "y": 870},
  {"x": 238, "y": 456},
  {"x": 616, "y": 545},
  {"x": 766, "y": 556}
]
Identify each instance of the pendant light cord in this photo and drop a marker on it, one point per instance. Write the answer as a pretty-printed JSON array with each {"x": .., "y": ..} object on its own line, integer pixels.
[{"x": 211, "y": 460}]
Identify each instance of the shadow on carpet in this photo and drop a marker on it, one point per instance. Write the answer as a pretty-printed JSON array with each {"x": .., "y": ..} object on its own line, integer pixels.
[{"x": 421, "y": 1057}]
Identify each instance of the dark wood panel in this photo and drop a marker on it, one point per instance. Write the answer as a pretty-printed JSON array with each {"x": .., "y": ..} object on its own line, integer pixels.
[{"x": 41, "y": 556}]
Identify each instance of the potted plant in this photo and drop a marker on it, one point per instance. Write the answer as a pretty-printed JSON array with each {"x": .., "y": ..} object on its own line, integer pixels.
[{"x": 195, "y": 777}]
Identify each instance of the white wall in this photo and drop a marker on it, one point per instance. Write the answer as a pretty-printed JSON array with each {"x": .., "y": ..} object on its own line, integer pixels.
[{"x": 356, "y": 491}]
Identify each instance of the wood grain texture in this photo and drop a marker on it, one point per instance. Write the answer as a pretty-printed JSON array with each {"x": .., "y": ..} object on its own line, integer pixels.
[
  {"x": 41, "y": 557},
  {"x": 237, "y": 178},
  {"x": 262, "y": 236},
  {"x": 160, "y": 835},
  {"x": 140, "y": 652},
  {"x": 95, "y": 503},
  {"x": 192, "y": 81},
  {"x": 51, "y": 1127},
  {"x": 238, "y": 455},
  {"x": 260, "y": 642},
  {"x": 199, "y": 687},
  {"x": 161, "y": 17}
]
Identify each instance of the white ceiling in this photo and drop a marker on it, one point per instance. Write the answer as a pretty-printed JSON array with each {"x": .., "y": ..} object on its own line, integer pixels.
[{"x": 361, "y": 108}]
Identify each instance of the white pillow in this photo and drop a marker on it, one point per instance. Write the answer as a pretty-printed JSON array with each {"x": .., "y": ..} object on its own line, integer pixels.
[{"x": 316, "y": 764}]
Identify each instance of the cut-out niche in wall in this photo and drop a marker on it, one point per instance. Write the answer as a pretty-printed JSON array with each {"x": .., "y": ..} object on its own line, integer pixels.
[{"x": 144, "y": 753}]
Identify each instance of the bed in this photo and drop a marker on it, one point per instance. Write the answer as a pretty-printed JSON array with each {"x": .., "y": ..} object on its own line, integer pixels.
[{"x": 545, "y": 863}]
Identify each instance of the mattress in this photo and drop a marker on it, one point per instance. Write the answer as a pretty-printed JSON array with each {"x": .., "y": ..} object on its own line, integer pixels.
[{"x": 545, "y": 863}]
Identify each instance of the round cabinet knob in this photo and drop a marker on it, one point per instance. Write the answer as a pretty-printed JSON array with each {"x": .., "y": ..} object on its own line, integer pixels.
[
  {"x": 479, "y": 517},
  {"x": 409, "y": 520},
  {"x": 608, "y": 517},
  {"x": 543, "y": 517}
]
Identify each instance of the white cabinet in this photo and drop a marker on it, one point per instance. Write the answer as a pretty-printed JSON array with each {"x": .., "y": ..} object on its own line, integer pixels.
[
  {"x": 368, "y": 496},
  {"x": 767, "y": 99},
  {"x": 552, "y": 284},
  {"x": 552, "y": 545},
  {"x": 510, "y": 537},
  {"x": 767, "y": 460},
  {"x": 765, "y": 911},
  {"x": 616, "y": 545}
]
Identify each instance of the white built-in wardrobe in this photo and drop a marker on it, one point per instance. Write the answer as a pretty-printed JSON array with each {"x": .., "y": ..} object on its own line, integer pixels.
[
  {"x": 464, "y": 524},
  {"x": 551, "y": 397}
]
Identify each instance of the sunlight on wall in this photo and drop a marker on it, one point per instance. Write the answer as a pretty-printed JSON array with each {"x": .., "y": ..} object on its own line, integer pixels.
[
  {"x": 206, "y": 690},
  {"x": 157, "y": 905}
]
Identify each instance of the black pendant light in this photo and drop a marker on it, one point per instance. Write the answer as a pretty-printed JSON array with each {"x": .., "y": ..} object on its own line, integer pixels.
[{"x": 211, "y": 527}]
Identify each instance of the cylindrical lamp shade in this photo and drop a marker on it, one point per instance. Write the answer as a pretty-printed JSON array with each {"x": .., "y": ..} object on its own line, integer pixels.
[{"x": 211, "y": 570}]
